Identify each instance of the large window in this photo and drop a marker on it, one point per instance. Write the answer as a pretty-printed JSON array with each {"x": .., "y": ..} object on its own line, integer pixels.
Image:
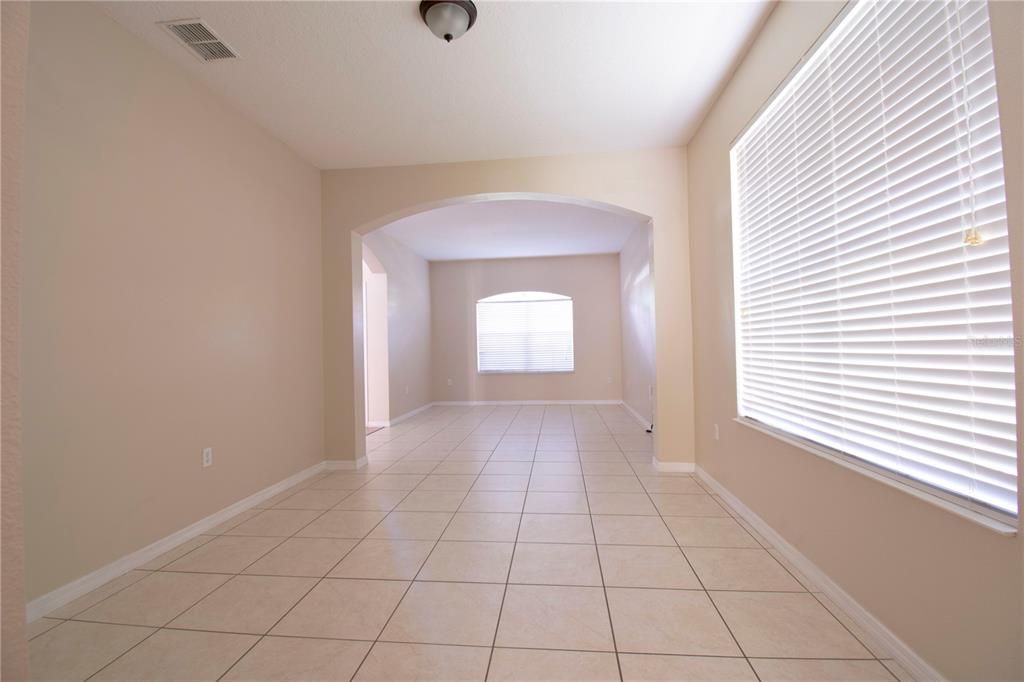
[
  {"x": 872, "y": 277},
  {"x": 524, "y": 331}
]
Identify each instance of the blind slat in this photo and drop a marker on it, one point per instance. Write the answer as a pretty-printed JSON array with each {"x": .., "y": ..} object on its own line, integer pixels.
[
  {"x": 867, "y": 320},
  {"x": 522, "y": 336}
]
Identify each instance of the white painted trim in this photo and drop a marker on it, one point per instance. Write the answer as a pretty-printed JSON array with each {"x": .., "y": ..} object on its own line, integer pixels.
[
  {"x": 345, "y": 464},
  {"x": 378, "y": 425},
  {"x": 472, "y": 403},
  {"x": 411, "y": 413},
  {"x": 672, "y": 467},
  {"x": 904, "y": 655},
  {"x": 636, "y": 415},
  {"x": 40, "y": 606}
]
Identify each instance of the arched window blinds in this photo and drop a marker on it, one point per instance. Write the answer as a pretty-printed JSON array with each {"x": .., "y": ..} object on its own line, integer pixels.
[{"x": 524, "y": 331}]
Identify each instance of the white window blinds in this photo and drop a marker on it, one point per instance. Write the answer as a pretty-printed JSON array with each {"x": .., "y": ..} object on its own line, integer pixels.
[
  {"x": 872, "y": 277},
  {"x": 524, "y": 331}
]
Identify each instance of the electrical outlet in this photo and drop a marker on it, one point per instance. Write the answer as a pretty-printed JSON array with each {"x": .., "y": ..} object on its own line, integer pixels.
[
  {"x": 207, "y": 457},
  {"x": 716, "y": 431},
  {"x": 407, "y": 390},
  {"x": 450, "y": 382}
]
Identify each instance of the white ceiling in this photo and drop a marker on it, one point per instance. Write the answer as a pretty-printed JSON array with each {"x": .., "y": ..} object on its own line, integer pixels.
[
  {"x": 513, "y": 229},
  {"x": 355, "y": 84}
]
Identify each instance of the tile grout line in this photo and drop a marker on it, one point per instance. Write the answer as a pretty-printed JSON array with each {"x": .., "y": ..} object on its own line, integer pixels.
[
  {"x": 474, "y": 582},
  {"x": 807, "y": 588},
  {"x": 697, "y": 576},
  {"x": 366, "y": 536},
  {"x": 324, "y": 577},
  {"x": 409, "y": 457},
  {"x": 597, "y": 552},
  {"x": 478, "y": 582},
  {"x": 156, "y": 629},
  {"x": 408, "y": 587},
  {"x": 162, "y": 627},
  {"x": 487, "y": 646},
  {"x": 261, "y": 637},
  {"x": 512, "y": 559},
  {"x": 236, "y": 575}
]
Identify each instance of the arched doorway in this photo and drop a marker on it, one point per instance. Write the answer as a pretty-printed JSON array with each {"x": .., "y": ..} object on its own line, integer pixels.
[{"x": 636, "y": 298}]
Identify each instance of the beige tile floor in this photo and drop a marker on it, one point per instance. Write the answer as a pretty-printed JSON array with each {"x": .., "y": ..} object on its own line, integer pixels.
[{"x": 506, "y": 543}]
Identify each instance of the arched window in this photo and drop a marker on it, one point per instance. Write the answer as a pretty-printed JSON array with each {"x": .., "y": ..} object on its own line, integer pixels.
[{"x": 524, "y": 331}]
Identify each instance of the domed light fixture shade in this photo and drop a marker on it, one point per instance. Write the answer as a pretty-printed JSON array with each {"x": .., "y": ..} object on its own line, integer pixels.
[{"x": 448, "y": 19}]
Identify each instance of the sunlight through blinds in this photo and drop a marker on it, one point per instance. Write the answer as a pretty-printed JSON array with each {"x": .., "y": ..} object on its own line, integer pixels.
[
  {"x": 524, "y": 331},
  {"x": 872, "y": 277}
]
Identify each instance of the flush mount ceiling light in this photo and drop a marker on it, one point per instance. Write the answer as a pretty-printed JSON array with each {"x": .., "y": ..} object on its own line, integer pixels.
[{"x": 448, "y": 19}]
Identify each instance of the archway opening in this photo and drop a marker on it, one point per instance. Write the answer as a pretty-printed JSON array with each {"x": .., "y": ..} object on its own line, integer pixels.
[{"x": 441, "y": 258}]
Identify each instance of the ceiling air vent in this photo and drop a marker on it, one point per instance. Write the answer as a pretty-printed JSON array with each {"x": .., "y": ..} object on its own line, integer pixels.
[{"x": 197, "y": 37}]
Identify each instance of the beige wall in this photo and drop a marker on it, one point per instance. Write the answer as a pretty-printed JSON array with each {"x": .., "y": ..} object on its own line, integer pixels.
[
  {"x": 14, "y": 23},
  {"x": 591, "y": 281},
  {"x": 948, "y": 587},
  {"x": 651, "y": 182},
  {"x": 408, "y": 308},
  {"x": 1007, "y": 28},
  {"x": 171, "y": 298},
  {"x": 636, "y": 297}
]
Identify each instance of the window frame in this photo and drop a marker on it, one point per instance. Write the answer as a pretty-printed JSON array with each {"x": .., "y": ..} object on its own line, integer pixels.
[
  {"x": 993, "y": 519},
  {"x": 555, "y": 298}
]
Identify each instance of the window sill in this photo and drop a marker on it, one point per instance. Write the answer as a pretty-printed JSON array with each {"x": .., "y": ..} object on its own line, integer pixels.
[
  {"x": 1001, "y": 527},
  {"x": 553, "y": 371}
]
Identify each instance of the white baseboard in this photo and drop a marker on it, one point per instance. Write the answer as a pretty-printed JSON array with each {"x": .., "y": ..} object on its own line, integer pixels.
[
  {"x": 644, "y": 422},
  {"x": 473, "y": 403},
  {"x": 40, "y": 606},
  {"x": 672, "y": 467},
  {"x": 411, "y": 413},
  {"x": 378, "y": 425},
  {"x": 345, "y": 464},
  {"x": 903, "y": 654}
]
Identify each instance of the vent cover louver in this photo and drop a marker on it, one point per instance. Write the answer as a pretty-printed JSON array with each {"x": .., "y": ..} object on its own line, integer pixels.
[{"x": 203, "y": 42}]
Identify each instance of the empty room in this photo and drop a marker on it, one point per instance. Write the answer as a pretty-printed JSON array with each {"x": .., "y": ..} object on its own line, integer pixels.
[{"x": 453, "y": 340}]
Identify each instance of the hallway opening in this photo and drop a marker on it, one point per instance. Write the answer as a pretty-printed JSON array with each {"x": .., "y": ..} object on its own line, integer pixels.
[
  {"x": 375, "y": 342},
  {"x": 442, "y": 266}
]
